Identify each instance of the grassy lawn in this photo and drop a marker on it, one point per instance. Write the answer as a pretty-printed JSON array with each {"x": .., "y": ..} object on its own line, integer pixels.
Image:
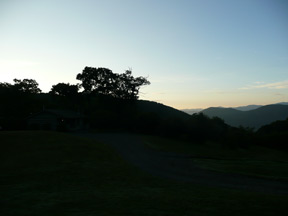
[
  {"x": 46, "y": 173},
  {"x": 253, "y": 161},
  {"x": 264, "y": 169}
]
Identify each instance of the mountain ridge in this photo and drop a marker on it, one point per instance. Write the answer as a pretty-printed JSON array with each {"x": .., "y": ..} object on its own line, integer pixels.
[
  {"x": 241, "y": 108},
  {"x": 255, "y": 118}
]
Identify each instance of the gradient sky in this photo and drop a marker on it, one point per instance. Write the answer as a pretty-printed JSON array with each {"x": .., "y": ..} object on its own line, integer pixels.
[{"x": 196, "y": 53}]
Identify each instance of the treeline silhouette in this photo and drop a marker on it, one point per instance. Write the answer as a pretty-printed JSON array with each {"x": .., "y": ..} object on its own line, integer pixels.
[
  {"x": 110, "y": 103},
  {"x": 274, "y": 135}
]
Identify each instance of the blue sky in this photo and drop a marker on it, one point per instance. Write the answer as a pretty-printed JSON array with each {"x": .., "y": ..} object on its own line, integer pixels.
[{"x": 196, "y": 53}]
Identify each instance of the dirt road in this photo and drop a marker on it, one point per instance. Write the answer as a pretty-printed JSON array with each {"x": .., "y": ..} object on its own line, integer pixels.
[{"x": 181, "y": 167}]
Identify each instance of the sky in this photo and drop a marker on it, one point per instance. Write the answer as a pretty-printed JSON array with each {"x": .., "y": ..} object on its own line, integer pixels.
[{"x": 195, "y": 53}]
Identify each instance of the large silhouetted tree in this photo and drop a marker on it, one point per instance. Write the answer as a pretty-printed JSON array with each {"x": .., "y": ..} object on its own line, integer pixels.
[
  {"x": 128, "y": 86},
  {"x": 63, "y": 89},
  {"x": 96, "y": 79},
  {"x": 26, "y": 86},
  {"x": 104, "y": 81}
]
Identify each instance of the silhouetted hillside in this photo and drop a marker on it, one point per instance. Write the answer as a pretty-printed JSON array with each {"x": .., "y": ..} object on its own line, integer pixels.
[
  {"x": 275, "y": 127},
  {"x": 274, "y": 135},
  {"x": 161, "y": 110},
  {"x": 105, "y": 113},
  {"x": 253, "y": 118}
]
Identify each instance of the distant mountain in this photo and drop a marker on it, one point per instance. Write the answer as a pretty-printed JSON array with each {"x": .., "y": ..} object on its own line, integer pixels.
[
  {"x": 247, "y": 108},
  {"x": 252, "y": 107},
  {"x": 283, "y": 103},
  {"x": 241, "y": 108},
  {"x": 191, "y": 111},
  {"x": 255, "y": 118}
]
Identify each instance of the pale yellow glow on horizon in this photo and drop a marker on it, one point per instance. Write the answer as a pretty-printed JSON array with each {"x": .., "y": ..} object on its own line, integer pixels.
[
  {"x": 179, "y": 95},
  {"x": 205, "y": 100}
]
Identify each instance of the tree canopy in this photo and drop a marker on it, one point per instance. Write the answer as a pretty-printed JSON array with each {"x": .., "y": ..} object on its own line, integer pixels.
[
  {"x": 27, "y": 86},
  {"x": 63, "y": 89},
  {"x": 104, "y": 81},
  {"x": 24, "y": 86}
]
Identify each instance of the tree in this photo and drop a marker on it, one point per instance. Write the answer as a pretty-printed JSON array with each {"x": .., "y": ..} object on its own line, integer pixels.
[
  {"x": 98, "y": 80},
  {"x": 64, "y": 89},
  {"x": 26, "y": 86},
  {"x": 128, "y": 86},
  {"x": 17, "y": 101},
  {"x": 5, "y": 85},
  {"x": 5, "y": 88},
  {"x": 104, "y": 81}
]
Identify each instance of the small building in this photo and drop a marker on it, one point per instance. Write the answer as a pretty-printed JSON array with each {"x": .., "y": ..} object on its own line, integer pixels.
[{"x": 57, "y": 120}]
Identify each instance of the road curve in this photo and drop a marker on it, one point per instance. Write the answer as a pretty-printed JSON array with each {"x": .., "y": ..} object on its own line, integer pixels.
[{"x": 181, "y": 167}]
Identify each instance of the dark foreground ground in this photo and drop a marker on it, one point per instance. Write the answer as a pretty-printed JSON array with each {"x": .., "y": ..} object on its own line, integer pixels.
[
  {"x": 181, "y": 167},
  {"x": 45, "y": 173}
]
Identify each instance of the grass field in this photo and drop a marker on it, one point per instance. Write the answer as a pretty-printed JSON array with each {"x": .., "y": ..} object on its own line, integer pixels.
[
  {"x": 46, "y": 173},
  {"x": 253, "y": 161}
]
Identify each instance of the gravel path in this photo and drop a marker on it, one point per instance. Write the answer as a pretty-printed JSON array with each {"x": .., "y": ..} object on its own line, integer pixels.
[{"x": 181, "y": 167}]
